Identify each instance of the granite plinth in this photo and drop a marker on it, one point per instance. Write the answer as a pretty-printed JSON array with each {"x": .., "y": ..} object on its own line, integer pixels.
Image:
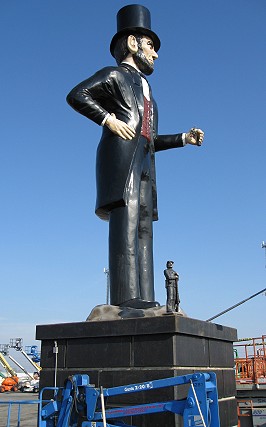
[
  {"x": 113, "y": 312},
  {"x": 128, "y": 351}
]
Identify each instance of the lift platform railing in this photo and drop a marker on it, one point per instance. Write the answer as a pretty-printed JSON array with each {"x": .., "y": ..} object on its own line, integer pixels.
[
  {"x": 250, "y": 368},
  {"x": 12, "y": 411}
]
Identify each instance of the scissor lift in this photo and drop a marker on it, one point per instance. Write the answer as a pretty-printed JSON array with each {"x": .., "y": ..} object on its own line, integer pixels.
[{"x": 81, "y": 404}]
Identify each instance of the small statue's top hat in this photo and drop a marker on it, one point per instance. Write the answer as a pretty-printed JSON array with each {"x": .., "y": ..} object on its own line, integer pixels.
[{"x": 133, "y": 19}]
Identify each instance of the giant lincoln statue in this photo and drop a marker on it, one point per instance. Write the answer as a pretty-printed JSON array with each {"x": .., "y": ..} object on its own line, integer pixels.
[{"x": 119, "y": 98}]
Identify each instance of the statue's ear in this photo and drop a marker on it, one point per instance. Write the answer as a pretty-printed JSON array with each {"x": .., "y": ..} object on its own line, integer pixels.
[{"x": 132, "y": 44}]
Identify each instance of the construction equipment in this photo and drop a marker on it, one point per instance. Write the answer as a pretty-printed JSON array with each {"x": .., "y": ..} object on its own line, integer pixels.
[
  {"x": 2, "y": 375},
  {"x": 16, "y": 343},
  {"x": 251, "y": 367},
  {"x": 33, "y": 352},
  {"x": 84, "y": 405},
  {"x": 250, "y": 372},
  {"x": 9, "y": 383},
  {"x": 4, "y": 349},
  {"x": 30, "y": 386},
  {"x": 4, "y": 352}
]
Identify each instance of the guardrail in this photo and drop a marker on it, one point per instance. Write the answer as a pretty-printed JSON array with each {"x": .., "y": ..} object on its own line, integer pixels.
[
  {"x": 18, "y": 413},
  {"x": 14, "y": 412}
]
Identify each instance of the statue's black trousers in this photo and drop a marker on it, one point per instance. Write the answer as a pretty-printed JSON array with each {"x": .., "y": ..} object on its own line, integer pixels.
[
  {"x": 172, "y": 301},
  {"x": 131, "y": 236}
]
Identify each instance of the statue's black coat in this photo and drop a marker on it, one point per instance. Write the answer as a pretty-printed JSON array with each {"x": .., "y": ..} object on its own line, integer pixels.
[{"x": 118, "y": 90}]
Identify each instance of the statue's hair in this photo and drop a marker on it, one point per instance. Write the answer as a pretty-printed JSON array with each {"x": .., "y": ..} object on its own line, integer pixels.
[{"x": 121, "y": 50}]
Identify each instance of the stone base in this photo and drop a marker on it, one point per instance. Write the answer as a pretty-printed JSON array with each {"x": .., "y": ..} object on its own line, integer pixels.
[
  {"x": 131, "y": 350},
  {"x": 113, "y": 312}
]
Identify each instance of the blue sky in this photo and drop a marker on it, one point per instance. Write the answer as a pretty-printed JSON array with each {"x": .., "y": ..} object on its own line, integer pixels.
[{"x": 211, "y": 74}]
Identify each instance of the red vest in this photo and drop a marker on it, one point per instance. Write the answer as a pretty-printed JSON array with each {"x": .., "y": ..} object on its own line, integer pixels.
[{"x": 146, "y": 121}]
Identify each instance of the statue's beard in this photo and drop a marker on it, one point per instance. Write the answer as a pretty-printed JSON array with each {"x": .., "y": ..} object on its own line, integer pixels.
[{"x": 142, "y": 63}]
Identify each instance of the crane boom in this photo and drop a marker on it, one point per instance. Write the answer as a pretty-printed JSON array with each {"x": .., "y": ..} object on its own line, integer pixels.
[
  {"x": 36, "y": 366},
  {"x": 21, "y": 367},
  {"x": 16, "y": 343},
  {"x": 6, "y": 365}
]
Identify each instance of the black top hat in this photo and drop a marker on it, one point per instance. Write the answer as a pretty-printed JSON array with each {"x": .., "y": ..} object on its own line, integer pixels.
[{"x": 134, "y": 18}]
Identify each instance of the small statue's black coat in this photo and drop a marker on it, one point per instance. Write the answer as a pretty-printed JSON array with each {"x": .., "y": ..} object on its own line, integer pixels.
[{"x": 118, "y": 90}]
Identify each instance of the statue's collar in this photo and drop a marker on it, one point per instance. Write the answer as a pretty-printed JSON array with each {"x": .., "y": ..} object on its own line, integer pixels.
[
  {"x": 133, "y": 70},
  {"x": 132, "y": 67}
]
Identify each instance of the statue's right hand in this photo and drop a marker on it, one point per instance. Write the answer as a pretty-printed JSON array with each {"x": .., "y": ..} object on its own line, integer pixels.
[{"x": 119, "y": 127}]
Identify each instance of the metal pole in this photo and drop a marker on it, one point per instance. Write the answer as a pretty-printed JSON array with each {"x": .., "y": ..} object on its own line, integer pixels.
[
  {"x": 263, "y": 245},
  {"x": 55, "y": 351},
  {"x": 103, "y": 407},
  {"x": 106, "y": 271}
]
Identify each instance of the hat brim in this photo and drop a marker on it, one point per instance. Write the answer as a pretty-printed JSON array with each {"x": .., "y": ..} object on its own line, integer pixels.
[{"x": 136, "y": 30}]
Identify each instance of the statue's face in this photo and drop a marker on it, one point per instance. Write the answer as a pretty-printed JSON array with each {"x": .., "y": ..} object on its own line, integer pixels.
[{"x": 145, "y": 56}]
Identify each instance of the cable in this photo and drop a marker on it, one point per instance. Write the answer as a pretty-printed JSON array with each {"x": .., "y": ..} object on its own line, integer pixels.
[
  {"x": 197, "y": 403},
  {"x": 236, "y": 305}
]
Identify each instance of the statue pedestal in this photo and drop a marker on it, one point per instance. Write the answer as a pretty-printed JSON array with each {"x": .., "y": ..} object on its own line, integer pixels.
[{"x": 135, "y": 350}]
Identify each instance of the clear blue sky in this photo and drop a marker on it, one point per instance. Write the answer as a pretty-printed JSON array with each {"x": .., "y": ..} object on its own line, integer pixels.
[{"x": 211, "y": 74}]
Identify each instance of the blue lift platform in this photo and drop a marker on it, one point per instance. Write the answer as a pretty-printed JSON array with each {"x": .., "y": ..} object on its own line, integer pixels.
[{"x": 81, "y": 404}]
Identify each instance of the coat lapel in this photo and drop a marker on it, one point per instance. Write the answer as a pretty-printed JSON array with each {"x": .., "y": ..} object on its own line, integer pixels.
[{"x": 136, "y": 87}]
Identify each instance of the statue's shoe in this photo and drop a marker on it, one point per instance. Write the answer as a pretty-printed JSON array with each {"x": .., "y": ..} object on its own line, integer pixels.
[{"x": 139, "y": 303}]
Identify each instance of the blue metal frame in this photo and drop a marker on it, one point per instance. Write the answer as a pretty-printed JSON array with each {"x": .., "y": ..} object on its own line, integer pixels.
[
  {"x": 16, "y": 403},
  {"x": 199, "y": 408}
]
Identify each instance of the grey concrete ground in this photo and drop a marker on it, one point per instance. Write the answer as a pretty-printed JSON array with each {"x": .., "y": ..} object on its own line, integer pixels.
[{"x": 28, "y": 414}]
